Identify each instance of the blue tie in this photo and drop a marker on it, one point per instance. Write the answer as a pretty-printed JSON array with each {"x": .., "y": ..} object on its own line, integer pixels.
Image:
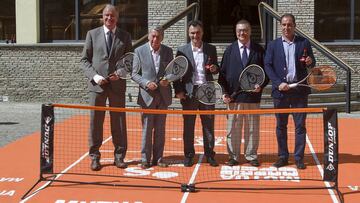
[
  {"x": 109, "y": 41},
  {"x": 244, "y": 56}
]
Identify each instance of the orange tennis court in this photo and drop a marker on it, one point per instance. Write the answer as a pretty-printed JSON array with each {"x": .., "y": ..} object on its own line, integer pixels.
[{"x": 75, "y": 182}]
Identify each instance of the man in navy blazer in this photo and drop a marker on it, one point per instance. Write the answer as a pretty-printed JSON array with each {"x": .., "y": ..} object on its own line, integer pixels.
[
  {"x": 103, "y": 48},
  {"x": 153, "y": 94},
  {"x": 202, "y": 58},
  {"x": 237, "y": 56},
  {"x": 284, "y": 66}
]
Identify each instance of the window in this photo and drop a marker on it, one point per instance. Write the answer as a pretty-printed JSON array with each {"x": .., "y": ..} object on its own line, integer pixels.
[
  {"x": 337, "y": 20},
  {"x": 220, "y": 16},
  {"x": 7, "y": 21},
  {"x": 60, "y": 21}
]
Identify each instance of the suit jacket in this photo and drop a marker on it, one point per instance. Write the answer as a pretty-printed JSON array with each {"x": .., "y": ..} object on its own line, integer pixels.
[
  {"x": 276, "y": 69},
  {"x": 231, "y": 68},
  {"x": 96, "y": 59},
  {"x": 185, "y": 84},
  {"x": 148, "y": 74}
]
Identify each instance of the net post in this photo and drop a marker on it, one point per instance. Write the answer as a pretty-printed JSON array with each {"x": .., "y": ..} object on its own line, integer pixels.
[
  {"x": 331, "y": 149},
  {"x": 47, "y": 139}
]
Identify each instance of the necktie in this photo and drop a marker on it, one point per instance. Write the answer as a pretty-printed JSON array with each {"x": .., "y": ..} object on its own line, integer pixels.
[
  {"x": 244, "y": 56},
  {"x": 109, "y": 41}
]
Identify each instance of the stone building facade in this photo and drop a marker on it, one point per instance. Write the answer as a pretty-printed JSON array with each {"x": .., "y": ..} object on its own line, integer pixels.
[{"x": 50, "y": 72}]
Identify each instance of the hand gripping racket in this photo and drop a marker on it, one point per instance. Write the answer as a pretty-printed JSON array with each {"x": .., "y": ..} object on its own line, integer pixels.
[
  {"x": 251, "y": 76},
  {"x": 209, "y": 93},
  {"x": 127, "y": 65},
  {"x": 319, "y": 78},
  {"x": 176, "y": 69}
]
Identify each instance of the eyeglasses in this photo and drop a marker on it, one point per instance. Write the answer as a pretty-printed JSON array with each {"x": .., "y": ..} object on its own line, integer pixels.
[{"x": 242, "y": 30}]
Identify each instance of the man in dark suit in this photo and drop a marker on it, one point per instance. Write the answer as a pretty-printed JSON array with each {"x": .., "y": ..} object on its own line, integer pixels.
[
  {"x": 103, "y": 47},
  {"x": 202, "y": 65},
  {"x": 153, "y": 94},
  {"x": 237, "y": 56},
  {"x": 284, "y": 66}
]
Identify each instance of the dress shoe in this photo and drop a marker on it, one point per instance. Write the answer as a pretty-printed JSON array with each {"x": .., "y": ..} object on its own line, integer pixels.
[
  {"x": 95, "y": 165},
  {"x": 232, "y": 162},
  {"x": 145, "y": 165},
  {"x": 162, "y": 164},
  {"x": 280, "y": 163},
  {"x": 188, "y": 161},
  {"x": 254, "y": 162},
  {"x": 120, "y": 163},
  {"x": 212, "y": 161},
  {"x": 300, "y": 164}
]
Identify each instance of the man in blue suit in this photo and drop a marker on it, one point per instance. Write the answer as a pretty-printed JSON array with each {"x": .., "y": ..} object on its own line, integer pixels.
[
  {"x": 203, "y": 64},
  {"x": 284, "y": 66},
  {"x": 237, "y": 56}
]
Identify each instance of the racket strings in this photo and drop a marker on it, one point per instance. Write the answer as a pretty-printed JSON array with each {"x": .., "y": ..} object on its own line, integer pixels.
[{"x": 322, "y": 78}]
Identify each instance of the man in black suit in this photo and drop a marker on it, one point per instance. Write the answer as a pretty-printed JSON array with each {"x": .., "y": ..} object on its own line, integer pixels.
[
  {"x": 103, "y": 48},
  {"x": 236, "y": 58},
  {"x": 202, "y": 58}
]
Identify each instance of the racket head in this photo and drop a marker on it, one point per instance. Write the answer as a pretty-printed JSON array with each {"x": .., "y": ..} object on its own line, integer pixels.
[
  {"x": 176, "y": 69},
  {"x": 127, "y": 65},
  {"x": 209, "y": 93},
  {"x": 322, "y": 78},
  {"x": 250, "y": 76}
]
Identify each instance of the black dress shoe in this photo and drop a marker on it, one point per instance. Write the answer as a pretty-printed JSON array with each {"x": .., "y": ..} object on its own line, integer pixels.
[
  {"x": 280, "y": 163},
  {"x": 95, "y": 165},
  {"x": 188, "y": 161},
  {"x": 120, "y": 163},
  {"x": 212, "y": 161},
  {"x": 300, "y": 164},
  {"x": 232, "y": 162},
  {"x": 162, "y": 164},
  {"x": 254, "y": 162},
  {"x": 145, "y": 165}
]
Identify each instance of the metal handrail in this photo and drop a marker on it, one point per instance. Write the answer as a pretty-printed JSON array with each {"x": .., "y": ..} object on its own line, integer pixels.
[
  {"x": 265, "y": 7},
  {"x": 192, "y": 8}
]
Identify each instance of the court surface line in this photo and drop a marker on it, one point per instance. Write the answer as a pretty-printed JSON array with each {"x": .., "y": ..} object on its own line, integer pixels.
[
  {"x": 192, "y": 179},
  {"x": 61, "y": 173},
  {"x": 327, "y": 184}
]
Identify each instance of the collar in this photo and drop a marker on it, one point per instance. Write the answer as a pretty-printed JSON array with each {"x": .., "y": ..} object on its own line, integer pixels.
[
  {"x": 287, "y": 41},
  {"x": 106, "y": 30},
  {"x": 152, "y": 50},
  {"x": 196, "y": 48},
  {"x": 246, "y": 44}
]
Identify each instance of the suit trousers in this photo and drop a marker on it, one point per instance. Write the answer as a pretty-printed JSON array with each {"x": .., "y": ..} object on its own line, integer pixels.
[
  {"x": 207, "y": 121},
  {"x": 117, "y": 123},
  {"x": 153, "y": 132},
  {"x": 300, "y": 127},
  {"x": 236, "y": 123}
]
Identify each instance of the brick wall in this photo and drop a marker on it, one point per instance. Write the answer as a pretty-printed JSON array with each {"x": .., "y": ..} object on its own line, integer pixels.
[{"x": 52, "y": 73}]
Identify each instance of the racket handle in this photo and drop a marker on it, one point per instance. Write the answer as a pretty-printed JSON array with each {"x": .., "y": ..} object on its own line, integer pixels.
[{"x": 293, "y": 85}]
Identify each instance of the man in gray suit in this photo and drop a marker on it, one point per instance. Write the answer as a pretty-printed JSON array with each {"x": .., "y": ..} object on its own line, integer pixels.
[
  {"x": 103, "y": 48},
  {"x": 153, "y": 94},
  {"x": 202, "y": 65}
]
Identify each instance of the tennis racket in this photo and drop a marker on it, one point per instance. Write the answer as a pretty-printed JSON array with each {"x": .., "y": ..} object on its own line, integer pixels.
[
  {"x": 319, "y": 78},
  {"x": 176, "y": 69},
  {"x": 251, "y": 76},
  {"x": 209, "y": 93},
  {"x": 127, "y": 65}
]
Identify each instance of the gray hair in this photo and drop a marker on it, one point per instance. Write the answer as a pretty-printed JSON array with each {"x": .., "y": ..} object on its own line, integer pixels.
[
  {"x": 158, "y": 29},
  {"x": 111, "y": 7}
]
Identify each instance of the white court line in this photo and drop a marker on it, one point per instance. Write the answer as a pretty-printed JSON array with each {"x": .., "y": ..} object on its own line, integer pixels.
[
  {"x": 192, "y": 179},
  {"x": 61, "y": 173},
  {"x": 327, "y": 184}
]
